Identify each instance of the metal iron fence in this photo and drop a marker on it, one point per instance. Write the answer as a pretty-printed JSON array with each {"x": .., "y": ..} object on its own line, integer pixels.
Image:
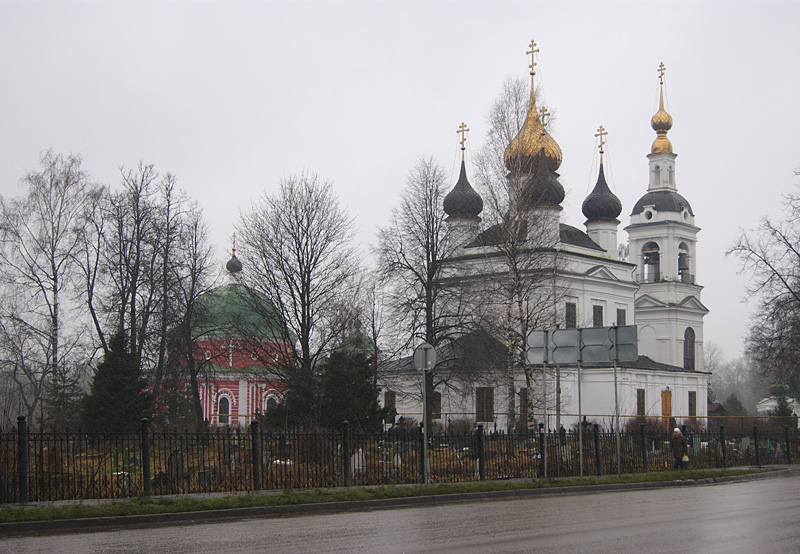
[{"x": 39, "y": 466}]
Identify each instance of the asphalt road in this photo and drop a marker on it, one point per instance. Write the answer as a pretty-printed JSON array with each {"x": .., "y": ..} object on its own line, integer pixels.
[{"x": 755, "y": 516}]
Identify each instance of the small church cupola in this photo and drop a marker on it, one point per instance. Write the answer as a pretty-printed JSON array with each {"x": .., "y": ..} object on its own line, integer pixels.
[
  {"x": 661, "y": 121},
  {"x": 601, "y": 204},
  {"x": 463, "y": 201},
  {"x": 462, "y": 204},
  {"x": 524, "y": 149},
  {"x": 234, "y": 266},
  {"x": 601, "y": 208}
]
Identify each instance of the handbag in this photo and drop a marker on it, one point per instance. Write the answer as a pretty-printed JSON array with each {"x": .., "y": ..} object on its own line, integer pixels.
[{"x": 685, "y": 458}]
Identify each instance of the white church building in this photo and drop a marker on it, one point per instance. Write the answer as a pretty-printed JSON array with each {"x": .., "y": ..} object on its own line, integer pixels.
[{"x": 656, "y": 289}]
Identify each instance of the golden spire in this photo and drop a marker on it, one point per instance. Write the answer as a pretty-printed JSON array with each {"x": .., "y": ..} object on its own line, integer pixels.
[
  {"x": 532, "y": 136},
  {"x": 661, "y": 121},
  {"x": 462, "y": 129},
  {"x": 601, "y": 132}
]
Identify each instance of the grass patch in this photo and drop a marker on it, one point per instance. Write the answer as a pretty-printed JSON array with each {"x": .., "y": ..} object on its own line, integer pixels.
[{"x": 141, "y": 506}]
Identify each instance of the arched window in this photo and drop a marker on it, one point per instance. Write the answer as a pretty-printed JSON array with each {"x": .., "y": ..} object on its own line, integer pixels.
[
  {"x": 683, "y": 263},
  {"x": 271, "y": 403},
  {"x": 224, "y": 410},
  {"x": 688, "y": 349},
  {"x": 651, "y": 263}
]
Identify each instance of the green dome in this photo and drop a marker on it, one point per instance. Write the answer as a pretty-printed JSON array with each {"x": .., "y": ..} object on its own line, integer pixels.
[{"x": 235, "y": 310}]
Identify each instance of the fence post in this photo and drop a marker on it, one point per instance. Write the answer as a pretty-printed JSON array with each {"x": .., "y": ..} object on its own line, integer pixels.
[
  {"x": 256, "y": 455},
  {"x": 755, "y": 439},
  {"x": 644, "y": 446},
  {"x": 481, "y": 451},
  {"x": 724, "y": 446},
  {"x": 788, "y": 444},
  {"x": 22, "y": 458},
  {"x": 596, "y": 429},
  {"x": 346, "y": 451},
  {"x": 146, "y": 456},
  {"x": 542, "y": 453},
  {"x": 422, "y": 468}
]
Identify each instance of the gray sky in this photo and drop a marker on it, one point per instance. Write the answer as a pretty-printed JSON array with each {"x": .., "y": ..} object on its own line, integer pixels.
[{"x": 231, "y": 96}]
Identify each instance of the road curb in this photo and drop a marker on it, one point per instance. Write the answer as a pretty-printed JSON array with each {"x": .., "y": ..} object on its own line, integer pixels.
[{"x": 104, "y": 523}]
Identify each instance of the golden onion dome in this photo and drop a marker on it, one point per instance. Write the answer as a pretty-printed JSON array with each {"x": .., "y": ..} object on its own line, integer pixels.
[
  {"x": 525, "y": 148},
  {"x": 661, "y": 123},
  {"x": 530, "y": 141}
]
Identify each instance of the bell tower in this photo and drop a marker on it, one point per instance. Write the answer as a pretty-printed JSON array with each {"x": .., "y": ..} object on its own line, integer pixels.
[{"x": 663, "y": 244}]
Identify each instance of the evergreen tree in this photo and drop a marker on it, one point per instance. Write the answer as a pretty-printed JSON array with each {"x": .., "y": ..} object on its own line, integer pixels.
[
  {"x": 117, "y": 400},
  {"x": 349, "y": 392},
  {"x": 63, "y": 400},
  {"x": 733, "y": 406}
]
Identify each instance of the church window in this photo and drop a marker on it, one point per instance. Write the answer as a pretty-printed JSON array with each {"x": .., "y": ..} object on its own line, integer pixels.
[
  {"x": 651, "y": 263},
  {"x": 640, "y": 405},
  {"x": 571, "y": 315},
  {"x": 436, "y": 409},
  {"x": 692, "y": 403},
  {"x": 688, "y": 348},
  {"x": 597, "y": 316},
  {"x": 224, "y": 410},
  {"x": 208, "y": 354},
  {"x": 389, "y": 400},
  {"x": 622, "y": 316},
  {"x": 670, "y": 175},
  {"x": 484, "y": 404},
  {"x": 683, "y": 263},
  {"x": 657, "y": 175}
]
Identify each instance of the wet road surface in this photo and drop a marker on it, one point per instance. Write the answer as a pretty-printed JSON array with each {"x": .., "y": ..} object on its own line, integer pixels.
[{"x": 755, "y": 516}]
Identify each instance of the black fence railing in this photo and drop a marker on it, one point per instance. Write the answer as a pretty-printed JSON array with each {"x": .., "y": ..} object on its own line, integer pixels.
[{"x": 39, "y": 466}]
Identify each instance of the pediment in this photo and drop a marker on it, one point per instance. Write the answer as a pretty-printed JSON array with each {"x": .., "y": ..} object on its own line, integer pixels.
[
  {"x": 647, "y": 301},
  {"x": 693, "y": 303},
  {"x": 601, "y": 272}
]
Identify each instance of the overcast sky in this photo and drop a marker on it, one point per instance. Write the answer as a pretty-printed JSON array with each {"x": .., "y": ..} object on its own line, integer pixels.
[{"x": 232, "y": 96}]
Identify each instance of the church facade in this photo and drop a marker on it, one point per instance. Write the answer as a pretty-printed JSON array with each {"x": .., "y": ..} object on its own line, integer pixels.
[
  {"x": 237, "y": 348},
  {"x": 532, "y": 271}
]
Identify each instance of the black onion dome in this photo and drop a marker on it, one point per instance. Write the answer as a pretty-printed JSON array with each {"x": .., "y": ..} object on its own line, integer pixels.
[
  {"x": 463, "y": 201},
  {"x": 662, "y": 201},
  {"x": 234, "y": 265},
  {"x": 543, "y": 189},
  {"x": 601, "y": 204}
]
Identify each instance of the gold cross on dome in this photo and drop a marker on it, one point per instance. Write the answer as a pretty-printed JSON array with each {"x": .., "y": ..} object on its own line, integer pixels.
[
  {"x": 533, "y": 50},
  {"x": 234, "y": 243},
  {"x": 462, "y": 129},
  {"x": 661, "y": 70},
  {"x": 543, "y": 113},
  {"x": 601, "y": 132}
]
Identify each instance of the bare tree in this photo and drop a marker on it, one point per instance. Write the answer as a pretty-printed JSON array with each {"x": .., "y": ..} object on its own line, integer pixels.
[
  {"x": 412, "y": 253},
  {"x": 40, "y": 234},
  {"x": 298, "y": 245},
  {"x": 770, "y": 255},
  {"x": 520, "y": 278}
]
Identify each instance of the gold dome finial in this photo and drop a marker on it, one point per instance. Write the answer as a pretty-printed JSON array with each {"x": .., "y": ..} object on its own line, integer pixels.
[
  {"x": 233, "y": 249},
  {"x": 532, "y": 137},
  {"x": 601, "y": 132},
  {"x": 462, "y": 130},
  {"x": 533, "y": 50},
  {"x": 661, "y": 121}
]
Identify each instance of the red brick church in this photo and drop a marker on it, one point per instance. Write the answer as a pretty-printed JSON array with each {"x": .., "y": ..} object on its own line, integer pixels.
[{"x": 239, "y": 348}]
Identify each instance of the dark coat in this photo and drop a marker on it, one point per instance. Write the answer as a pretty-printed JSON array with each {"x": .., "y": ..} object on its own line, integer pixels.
[{"x": 678, "y": 444}]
